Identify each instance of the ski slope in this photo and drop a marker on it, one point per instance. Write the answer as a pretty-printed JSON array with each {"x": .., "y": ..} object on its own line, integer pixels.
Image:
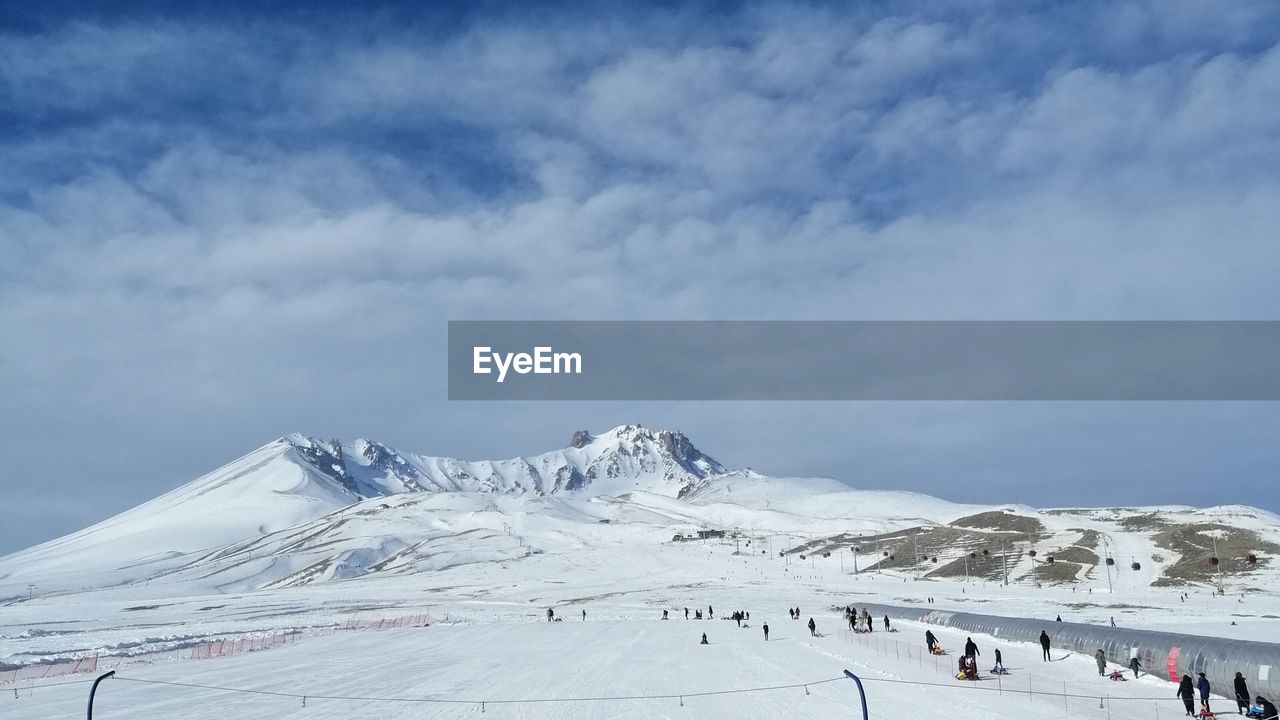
[{"x": 637, "y": 659}]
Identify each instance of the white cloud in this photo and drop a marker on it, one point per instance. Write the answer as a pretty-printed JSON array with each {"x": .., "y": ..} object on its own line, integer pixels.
[{"x": 206, "y": 225}]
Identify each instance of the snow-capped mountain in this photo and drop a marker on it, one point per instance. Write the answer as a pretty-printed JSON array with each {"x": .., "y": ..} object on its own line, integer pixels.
[
  {"x": 300, "y": 511},
  {"x": 626, "y": 458},
  {"x": 296, "y": 479}
]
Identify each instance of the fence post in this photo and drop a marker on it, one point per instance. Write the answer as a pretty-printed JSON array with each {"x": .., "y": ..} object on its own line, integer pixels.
[
  {"x": 862, "y": 694},
  {"x": 93, "y": 690}
]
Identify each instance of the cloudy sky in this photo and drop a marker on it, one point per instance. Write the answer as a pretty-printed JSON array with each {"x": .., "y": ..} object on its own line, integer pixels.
[{"x": 218, "y": 227}]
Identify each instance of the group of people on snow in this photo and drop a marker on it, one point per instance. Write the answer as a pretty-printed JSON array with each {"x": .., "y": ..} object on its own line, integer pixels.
[{"x": 861, "y": 621}]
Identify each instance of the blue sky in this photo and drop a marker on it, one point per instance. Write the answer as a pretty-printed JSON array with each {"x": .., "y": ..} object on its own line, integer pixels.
[{"x": 219, "y": 225}]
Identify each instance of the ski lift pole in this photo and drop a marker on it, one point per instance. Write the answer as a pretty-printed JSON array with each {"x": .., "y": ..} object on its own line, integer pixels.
[
  {"x": 94, "y": 690},
  {"x": 862, "y": 694},
  {"x": 1004, "y": 560}
]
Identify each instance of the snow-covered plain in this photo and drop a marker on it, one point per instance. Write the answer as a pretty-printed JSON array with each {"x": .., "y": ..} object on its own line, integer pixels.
[{"x": 169, "y": 574}]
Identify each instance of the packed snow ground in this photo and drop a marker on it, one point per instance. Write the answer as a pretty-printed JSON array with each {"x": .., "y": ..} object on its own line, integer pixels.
[
  {"x": 496, "y": 644},
  {"x": 503, "y": 661}
]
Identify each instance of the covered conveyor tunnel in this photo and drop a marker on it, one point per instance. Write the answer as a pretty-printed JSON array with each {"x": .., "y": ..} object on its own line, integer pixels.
[{"x": 1161, "y": 653}]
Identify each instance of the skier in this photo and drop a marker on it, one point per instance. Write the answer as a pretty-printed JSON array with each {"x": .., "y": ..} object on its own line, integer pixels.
[
  {"x": 1101, "y": 658},
  {"x": 813, "y": 628},
  {"x": 1044, "y": 644},
  {"x": 971, "y": 648},
  {"x": 1242, "y": 693},
  {"x": 1203, "y": 686},
  {"x": 550, "y": 614},
  {"x": 886, "y": 623},
  {"x": 930, "y": 640},
  {"x": 704, "y": 640},
  {"x": 1134, "y": 665},
  {"x": 766, "y": 632},
  {"x": 1187, "y": 692}
]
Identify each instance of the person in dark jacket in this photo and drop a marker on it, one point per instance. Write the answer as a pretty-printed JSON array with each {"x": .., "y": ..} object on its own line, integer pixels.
[
  {"x": 998, "y": 668},
  {"x": 1203, "y": 686},
  {"x": 766, "y": 632},
  {"x": 1187, "y": 692},
  {"x": 930, "y": 640},
  {"x": 1101, "y": 658},
  {"x": 704, "y": 640},
  {"x": 1268, "y": 708},
  {"x": 813, "y": 627},
  {"x": 1134, "y": 665},
  {"x": 1044, "y": 644},
  {"x": 971, "y": 648},
  {"x": 1242, "y": 693},
  {"x": 886, "y": 623}
]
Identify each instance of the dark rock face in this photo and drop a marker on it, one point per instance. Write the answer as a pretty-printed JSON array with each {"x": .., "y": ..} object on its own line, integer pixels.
[{"x": 580, "y": 439}]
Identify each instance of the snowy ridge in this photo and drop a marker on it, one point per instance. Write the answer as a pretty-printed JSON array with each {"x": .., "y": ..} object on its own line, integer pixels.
[{"x": 301, "y": 512}]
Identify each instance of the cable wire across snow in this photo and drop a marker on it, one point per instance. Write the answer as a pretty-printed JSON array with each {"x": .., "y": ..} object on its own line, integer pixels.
[
  {"x": 664, "y": 696},
  {"x": 503, "y": 701}
]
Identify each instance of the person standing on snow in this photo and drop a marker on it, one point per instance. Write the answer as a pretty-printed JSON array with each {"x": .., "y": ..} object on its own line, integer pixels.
[
  {"x": 930, "y": 640},
  {"x": 1187, "y": 692},
  {"x": 1203, "y": 686},
  {"x": 584, "y": 614},
  {"x": 886, "y": 623},
  {"x": 766, "y": 632},
  {"x": 1134, "y": 665},
  {"x": 971, "y": 648},
  {"x": 686, "y": 613},
  {"x": 1101, "y": 658},
  {"x": 813, "y": 628},
  {"x": 1242, "y": 693},
  {"x": 550, "y": 614},
  {"x": 1044, "y": 644},
  {"x": 999, "y": 666},
  {"x": 704, "y": 640}
]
